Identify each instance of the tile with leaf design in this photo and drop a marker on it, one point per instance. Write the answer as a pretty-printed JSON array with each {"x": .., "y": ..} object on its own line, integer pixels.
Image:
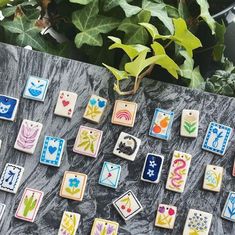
[
  {"x": 229, "y": 208},
  {"x": 104, "y": 227}
]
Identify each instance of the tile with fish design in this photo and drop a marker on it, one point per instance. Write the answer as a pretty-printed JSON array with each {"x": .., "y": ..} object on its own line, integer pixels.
[
  {"x": 229, "y": 208},
  {"x": 213, "y": 178},
  {"x": 124, "y": 113},
  {"x": 69, "y": 223},
  {"x": 2, "y": 209},
  {"x": 73, "y": 185},
  {"x": 104, "y": 227},
  {"x": 217, "y": 138},
  {"x": 178, "y": 172},
  {"x": 36, "y": 88},
  {"x": 28, "y": 136},
  {"x": 88, "y": 141}
]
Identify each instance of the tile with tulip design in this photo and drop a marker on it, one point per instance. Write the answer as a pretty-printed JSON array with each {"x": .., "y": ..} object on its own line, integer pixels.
[
  {"x": 229, "y": 208},
  {"x": 104, "y": 227}
]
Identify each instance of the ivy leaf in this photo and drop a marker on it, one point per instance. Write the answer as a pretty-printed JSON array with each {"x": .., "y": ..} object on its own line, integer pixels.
[
  {"x": 82, "y": 2},
  {"x": 119, "y": 75},
  {"x": 183, "y": 10},
  {"x": 205, "y": 14},
  {"x": 151, "y": 29},
  {"x": 4, "y": 2},
  {"x": 91, "y": 25}
]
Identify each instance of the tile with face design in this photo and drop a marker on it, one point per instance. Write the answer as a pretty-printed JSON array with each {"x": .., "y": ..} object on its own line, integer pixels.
[
  {"x": 104, "y": 227},
  {"x": 2, "y": 209},
  {"x": 36, "y": 88},
  {"x": 8, "y": 107},
  {"x": 178, "y": 172},
  {"x": 65, "y": 104},
  {"x": 28, "y": 136},
  {"x": 124, "y": 113},
  {"x": 73, "y": 185},
  {"x": 229, "y": 208},
  {"x": 189, "y": 123}
]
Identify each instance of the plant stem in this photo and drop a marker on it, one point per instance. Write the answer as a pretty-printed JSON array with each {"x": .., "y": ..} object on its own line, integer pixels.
[{"x": 168, "y": 44}]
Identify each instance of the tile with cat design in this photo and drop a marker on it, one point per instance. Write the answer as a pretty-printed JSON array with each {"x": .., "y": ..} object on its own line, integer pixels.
[
  {"x": 11, "y": 177},
  {"x": 229, "y": 208},
  {"x": 124, "y": 113},
  {"x": 52, "y": 151},
  {"x": 2, "y": 209},
  {"x": 8, "y": 107},
  {"x": 28, "y": 136},
  {"x": 127, "y": 146},
  {"x": 65, "y": 104},
  {"x": 36, "y": 88},
  {"x": 104, "y": 227}
]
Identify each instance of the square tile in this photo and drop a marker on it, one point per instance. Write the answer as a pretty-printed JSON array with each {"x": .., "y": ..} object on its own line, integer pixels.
[
  {"x": 69, "y": 223},
  {"x": 152, "y": 168},
  {"x": 95, "y": 108},
  {"x": 124, "y": 113},
  {"x": 2, "y": 209},
  {"x": 104, "y": 227},
  {"x": 52, "y": 151},
  {"x": 178, "y": 172},
  {"x": 229, "y": 208},
  {"x": 189, "y": 123},
  {"x": 110, "y": 175},
  {"x": 88, "y": 141},
  {"x": 8, "y": 107},
  {"x": 213, "y": 178},
  {"x": 36, "y": 88},
  {"x": 216, "y": 139},
  {"x": 28, "y": 136},
  {"x": 127, "y": 146},
  {"x": 197, "y": 222},
  {"x": 73, "y": 185},
  {"x": 29, "y": 205},
  {"x": 11, "y": 177},
  {"x": 161, "y": 124},
  {"x": 65, "y": 104},
  {"x": 127, "y": 205},
  {"x": 166, "y": 215}
]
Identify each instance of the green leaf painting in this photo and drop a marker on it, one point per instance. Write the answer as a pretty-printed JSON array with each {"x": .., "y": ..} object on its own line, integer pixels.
[{"x": 190, "y": 127}]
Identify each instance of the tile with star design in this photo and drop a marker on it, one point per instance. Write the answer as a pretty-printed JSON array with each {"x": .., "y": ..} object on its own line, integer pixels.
[
  {"x": 104, "y": 227},
  {"x": 152, "y": 168}
]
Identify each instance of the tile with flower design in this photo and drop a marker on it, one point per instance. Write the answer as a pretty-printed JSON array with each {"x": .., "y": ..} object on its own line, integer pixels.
[
  {"x": 29, "y": 205},
  {"x": 197, "y": 222},
  {"x": 127, "y": 205},
  {"x": 2, "y": 209},
  {"x": 217, "y": 138},
  {"x": 189, "y": 123},
  {"x": 8, "y": 107},
  {"x": 95, "y": 108},
  {"x": 88, "y": 141},
  {"x": 213, "y": 178},
  {"x": 178, "y": 172},
  {"x": 229, "y": 208},
  {"x": 166, "y": 215},
  {"x": 69, "y": 223},
  {"x": 28, "y": 136},
  {"x": 73, "y": 185},
  {"x": 104, "y": 227},
  {"x": 161, "y": 124},
  {"x": 124, "y": 113},
  {"x": 65, "y": 104}
]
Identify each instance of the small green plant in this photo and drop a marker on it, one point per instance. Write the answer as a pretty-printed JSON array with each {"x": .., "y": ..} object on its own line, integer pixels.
[{"x": 30, "y": 204}]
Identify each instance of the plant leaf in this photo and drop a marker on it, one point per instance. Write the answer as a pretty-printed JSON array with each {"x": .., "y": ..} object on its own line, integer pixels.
[
  {"x": 129, "y": 10},
  {"x": 83, "y": 2},
  {"x": 151, "y": 29},
  {"x": 4, "y": 2},
  {"x": 119, "y": 75}
]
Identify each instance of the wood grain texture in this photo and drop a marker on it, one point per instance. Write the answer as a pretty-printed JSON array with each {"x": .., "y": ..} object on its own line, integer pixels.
[{"x": 17, "y": 64}]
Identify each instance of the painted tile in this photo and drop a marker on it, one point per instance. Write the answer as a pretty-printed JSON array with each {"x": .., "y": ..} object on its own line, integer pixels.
[
  {"x": 110, "y": 175},
  {"x": 127, "y": 146},
  {"x": 233, "y": 173},
  {"x": 152, "y": 168},
  {"x": 52, "y": 151},
  {"x": 28, "y": 136},
  {"x": 124, "y": 113},
  {"x": 161, "y": 124},
  {"x": 178, "y": 172},
  {"x": 166, "y": 215},
  {"x": 189, "y": 123},
  {"x": 95, "y": 108},
  {"x": 11, "y": 177},
  {"x": 0, "y": 144},
  {"x": 73, "y": 185},
  {"x": 229, "y": 208},
  {"x": 213, "y": 178},
  {"x": 69, "y": 223},
  {"x": 2, "y": 209},
  {"x": 197, "y": 222},
  {"x": 104, "y": 227},
  {"x": 36, "y": 88},
  {"x": 88, "y": 141},
  {"x": 216, "y": 139},
  {"x": 29, "y": 205},
  {"x": 127, "y": 205},
  {"x": 8, "y": 107},
  {"x": 65, "y": 104}
]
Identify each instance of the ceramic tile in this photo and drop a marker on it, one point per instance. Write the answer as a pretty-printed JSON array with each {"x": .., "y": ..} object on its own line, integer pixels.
[
  {"x": 229, "y": 208},
  {"x": 233, "y": 173},
  {"x": 2, "y": 209},
  {"x": 104, "y": 227}
]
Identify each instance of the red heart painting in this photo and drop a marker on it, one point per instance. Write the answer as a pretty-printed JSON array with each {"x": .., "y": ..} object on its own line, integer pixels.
[{"x": 65, "y": 103}]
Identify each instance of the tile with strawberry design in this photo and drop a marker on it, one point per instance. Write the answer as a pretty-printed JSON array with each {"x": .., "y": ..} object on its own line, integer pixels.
[{"x": 104, "y": 227}]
